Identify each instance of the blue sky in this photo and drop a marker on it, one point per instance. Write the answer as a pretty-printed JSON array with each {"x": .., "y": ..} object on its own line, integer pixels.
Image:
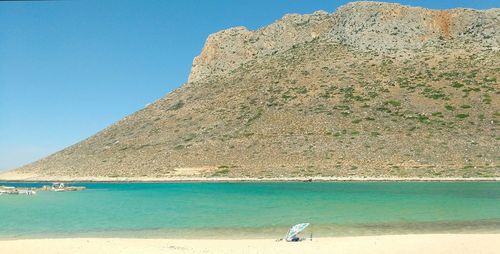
[{"x": 70, "y": 68}]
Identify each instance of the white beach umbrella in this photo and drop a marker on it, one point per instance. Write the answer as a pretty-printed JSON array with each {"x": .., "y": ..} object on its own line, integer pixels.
[{"x": 295, "y": 230}]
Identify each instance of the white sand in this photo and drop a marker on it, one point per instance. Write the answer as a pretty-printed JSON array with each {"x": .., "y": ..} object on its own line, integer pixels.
[{"x": 426, "y": 243}]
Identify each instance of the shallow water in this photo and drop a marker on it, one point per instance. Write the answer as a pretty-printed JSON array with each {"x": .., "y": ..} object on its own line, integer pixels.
[{"x": 235, "y": 210}]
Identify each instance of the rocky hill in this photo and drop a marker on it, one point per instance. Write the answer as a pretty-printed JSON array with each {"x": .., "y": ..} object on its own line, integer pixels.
[
  {"x": 362, "y": 25},
  {"x": 373, "y": 89}
]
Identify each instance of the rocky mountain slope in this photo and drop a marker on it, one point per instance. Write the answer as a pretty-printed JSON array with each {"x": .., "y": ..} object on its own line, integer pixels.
[
  {"x": 373, "y": 89},
  {"x": 363, "y": 25}
]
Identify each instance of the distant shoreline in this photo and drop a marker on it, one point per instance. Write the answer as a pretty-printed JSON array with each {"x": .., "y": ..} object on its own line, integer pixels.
[{"x": 8, "y": 177}]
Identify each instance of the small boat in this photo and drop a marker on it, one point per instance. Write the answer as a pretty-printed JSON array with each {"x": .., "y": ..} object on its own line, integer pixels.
[{"x": 57, "y": 187}]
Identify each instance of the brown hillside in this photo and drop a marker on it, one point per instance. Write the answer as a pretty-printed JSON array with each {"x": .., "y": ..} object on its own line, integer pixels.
[{"x": 371, "y": 90}]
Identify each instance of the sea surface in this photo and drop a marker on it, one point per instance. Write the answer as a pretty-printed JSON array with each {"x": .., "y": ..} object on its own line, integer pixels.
[{"x": 242, "y": 210}]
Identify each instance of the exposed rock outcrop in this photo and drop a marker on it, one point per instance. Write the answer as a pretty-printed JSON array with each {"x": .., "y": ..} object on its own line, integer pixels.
[
  {"x": 228, "y": 49},
  {"x": 364, "y": 25}
]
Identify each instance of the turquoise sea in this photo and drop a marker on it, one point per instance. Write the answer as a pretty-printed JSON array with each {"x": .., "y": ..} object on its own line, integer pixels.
[{"x": 237, "y": 210}]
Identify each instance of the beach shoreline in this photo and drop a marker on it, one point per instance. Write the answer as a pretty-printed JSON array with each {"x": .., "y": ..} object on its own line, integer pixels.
[
  {"x": 417, "y": 243},
  {"x": 16, "y": 177}
]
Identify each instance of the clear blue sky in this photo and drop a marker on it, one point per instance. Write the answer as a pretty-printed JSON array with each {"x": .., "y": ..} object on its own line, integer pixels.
[{"x": 70, "y": 68}]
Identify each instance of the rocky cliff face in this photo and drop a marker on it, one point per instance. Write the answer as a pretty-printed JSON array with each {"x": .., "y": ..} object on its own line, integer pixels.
[
  {"x": 381, "y": 26},
  {"x": 364, "y": 25},
  {"x": 372, "y": 89},
  {"x": 228, "y": 49}
]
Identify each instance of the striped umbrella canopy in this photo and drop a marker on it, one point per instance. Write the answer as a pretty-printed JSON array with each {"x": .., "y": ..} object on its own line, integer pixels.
[{"x": 295, "y": 230}]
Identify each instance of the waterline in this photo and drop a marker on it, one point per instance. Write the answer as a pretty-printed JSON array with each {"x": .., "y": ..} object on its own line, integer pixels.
[{"x": 239, "y": 210}]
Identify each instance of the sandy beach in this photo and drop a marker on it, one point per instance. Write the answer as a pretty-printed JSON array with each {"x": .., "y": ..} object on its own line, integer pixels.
[
  {"x": 426, "y": 243},
  {"x": 20, "y": 177}
]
